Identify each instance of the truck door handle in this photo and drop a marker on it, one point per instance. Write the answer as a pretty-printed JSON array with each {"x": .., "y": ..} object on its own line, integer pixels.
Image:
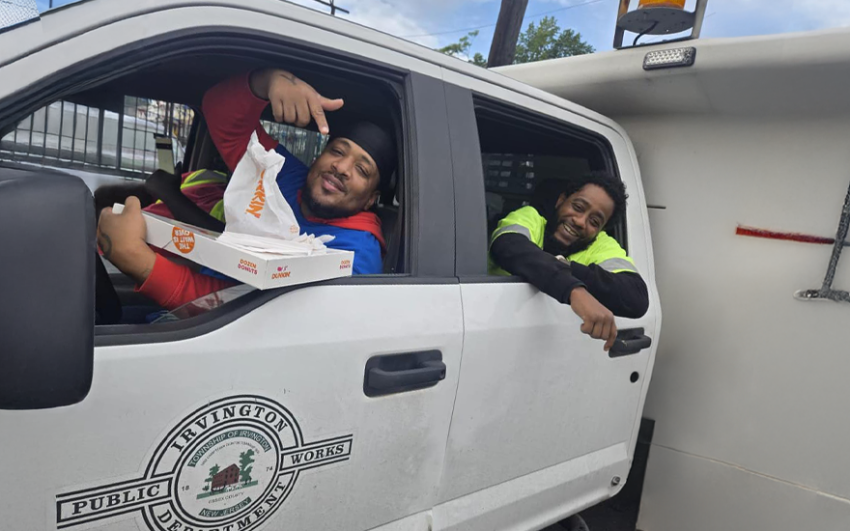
[
  {"x": 429, "y": 372},
  {"x": 629, "y": 342},
  {"x": 397, "y": 373}
]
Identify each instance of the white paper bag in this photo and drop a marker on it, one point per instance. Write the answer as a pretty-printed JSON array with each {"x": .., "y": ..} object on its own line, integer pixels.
[{"x": 253, "y": 203}]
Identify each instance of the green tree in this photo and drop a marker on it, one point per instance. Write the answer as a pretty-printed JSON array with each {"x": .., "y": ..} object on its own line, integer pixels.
[
  {"x": 245, "y": 459},
  {"x": 540, "y": 41},
  {"x": 546, "y": 40},
  {"x": 245, "y": 475},
  {"x": 460, "y": 49}
]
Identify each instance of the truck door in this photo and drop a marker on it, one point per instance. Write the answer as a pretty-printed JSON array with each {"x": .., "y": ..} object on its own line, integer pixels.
[
  {"x": 545, "y": 421},
  {"x": 317, "y": 407}
]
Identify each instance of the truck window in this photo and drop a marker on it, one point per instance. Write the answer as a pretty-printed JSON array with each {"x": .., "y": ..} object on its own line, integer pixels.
[
  {"x": 105, "y": 135},
  {"x": 528, "y": 158}
]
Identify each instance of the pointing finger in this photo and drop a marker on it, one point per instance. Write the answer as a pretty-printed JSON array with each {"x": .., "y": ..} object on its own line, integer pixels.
[
  {"x": 331, "y": 105},
  {"x": 318, "y": 114}
]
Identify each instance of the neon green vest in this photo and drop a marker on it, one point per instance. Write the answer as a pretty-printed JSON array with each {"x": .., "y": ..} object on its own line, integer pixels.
[
  {"x": 202, "y": 177},
  {"x": 604, "y": 251}
]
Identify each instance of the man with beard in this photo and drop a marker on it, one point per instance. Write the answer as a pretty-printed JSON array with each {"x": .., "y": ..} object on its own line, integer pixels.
[
  {"x": 570, "y": 258},
  {"x": 332, "y": 197}
]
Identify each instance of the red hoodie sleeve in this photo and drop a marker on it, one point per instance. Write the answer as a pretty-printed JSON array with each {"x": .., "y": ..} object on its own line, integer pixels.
[
  {"x": 232, "y": 113},
  {"x": 171, "y": 285}
]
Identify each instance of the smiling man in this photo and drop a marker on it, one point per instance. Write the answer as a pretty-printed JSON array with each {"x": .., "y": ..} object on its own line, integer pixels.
[
  {"x": 569, "y": 256},
  {"x": 334, "y": 196}
]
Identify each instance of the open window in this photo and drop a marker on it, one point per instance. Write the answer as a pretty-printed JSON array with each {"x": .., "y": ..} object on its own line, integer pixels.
[
  {"x": 104, "y": 132},
  {"x": 528, "y": 158}
]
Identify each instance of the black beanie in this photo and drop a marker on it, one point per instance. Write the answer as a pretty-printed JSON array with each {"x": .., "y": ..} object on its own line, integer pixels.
[{"x": 374, "y": 141}]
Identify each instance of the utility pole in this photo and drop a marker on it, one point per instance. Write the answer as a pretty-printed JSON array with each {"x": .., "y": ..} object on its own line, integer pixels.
[
  {"x": 503, "y": 49},
  {"x": 333, "y": 7}
]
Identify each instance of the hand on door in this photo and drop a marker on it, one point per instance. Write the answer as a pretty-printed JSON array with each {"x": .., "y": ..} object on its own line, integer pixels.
[{"x": 598, "y": 320}]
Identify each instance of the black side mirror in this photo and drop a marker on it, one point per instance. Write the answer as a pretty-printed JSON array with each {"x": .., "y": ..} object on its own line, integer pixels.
[{"x": 47, "y": 288}]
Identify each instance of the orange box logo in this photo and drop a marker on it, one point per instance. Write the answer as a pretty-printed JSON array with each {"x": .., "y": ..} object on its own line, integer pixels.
[
  {"x": 184, "y": 240},
  {"x": 258, "y": 202},
  {"x": 345, "y": 264},
  {"x": 282, "y": 272}
]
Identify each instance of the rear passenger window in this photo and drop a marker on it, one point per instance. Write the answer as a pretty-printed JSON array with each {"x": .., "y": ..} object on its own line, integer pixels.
[{"x": 529, "y": 159}]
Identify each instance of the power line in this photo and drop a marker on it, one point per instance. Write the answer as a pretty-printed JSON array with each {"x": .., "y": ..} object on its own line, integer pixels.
[{"x": 493, "y": 24}]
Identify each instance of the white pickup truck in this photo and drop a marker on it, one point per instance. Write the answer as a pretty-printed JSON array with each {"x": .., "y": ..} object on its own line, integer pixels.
[{"x": 316, "y": 407}]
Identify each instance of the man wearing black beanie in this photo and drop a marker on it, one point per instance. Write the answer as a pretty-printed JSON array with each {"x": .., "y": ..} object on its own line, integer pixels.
[{"x": 334, "y": 196}]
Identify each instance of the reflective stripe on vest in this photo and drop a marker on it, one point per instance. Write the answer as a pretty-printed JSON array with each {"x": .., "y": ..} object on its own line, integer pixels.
[
  {"x": 617, "y": 265},
  {"x": 211, "y": 177},
  {"x": 516, "y": 229}
]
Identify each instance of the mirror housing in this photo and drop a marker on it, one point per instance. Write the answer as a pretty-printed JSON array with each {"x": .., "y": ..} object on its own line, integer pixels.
[{"x": 47, "y": 289}]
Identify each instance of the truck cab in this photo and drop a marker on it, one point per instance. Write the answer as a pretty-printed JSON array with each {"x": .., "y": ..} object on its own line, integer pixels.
[{"x": 259, "y": 409}]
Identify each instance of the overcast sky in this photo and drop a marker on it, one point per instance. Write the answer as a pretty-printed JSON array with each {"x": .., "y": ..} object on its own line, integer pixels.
[{"x": 436, "y": 23}]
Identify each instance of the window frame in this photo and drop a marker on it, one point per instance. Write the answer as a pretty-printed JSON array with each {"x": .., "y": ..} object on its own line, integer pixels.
[
  {"x": 429, "y": 258},
  {"x": 473, "y": 240}
]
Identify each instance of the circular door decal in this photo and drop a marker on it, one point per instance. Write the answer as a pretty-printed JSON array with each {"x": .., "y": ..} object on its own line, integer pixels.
[{"x": 232, "y": 463}]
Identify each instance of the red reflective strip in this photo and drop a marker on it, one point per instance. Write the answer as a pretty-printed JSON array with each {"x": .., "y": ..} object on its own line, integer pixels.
[{"x": 789, "y": 236}]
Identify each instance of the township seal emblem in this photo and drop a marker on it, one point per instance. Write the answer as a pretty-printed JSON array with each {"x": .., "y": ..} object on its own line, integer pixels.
[{"x": 228, "y": 465}]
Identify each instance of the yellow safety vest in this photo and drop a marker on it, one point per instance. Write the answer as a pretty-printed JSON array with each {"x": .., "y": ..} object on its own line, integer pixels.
[
  {"x": 200, "y": 177},
  {"x": 604, "y": 251}
]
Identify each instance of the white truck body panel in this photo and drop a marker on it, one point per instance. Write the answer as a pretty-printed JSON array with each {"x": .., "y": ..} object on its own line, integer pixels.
[
  {"x": 508, "y": 345},
  {"x": 748, "y": 389},
  {"x": 276, "y": 352}
]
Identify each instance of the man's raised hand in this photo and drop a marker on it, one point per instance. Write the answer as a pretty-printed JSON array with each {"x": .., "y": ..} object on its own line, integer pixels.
[{"x": 293, "y": 101}]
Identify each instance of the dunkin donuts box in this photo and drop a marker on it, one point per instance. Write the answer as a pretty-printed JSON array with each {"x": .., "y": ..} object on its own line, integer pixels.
[{"x": 261, "y": 270}]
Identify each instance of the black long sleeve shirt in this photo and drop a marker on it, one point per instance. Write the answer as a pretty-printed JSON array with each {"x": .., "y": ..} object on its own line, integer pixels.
[{"x": 624, "y": 293}]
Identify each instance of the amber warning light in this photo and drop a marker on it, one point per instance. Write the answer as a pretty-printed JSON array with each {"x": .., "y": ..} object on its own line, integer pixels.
[
  {"x": 674, "y": 4},
  {"x": 658, "y": 17}
]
